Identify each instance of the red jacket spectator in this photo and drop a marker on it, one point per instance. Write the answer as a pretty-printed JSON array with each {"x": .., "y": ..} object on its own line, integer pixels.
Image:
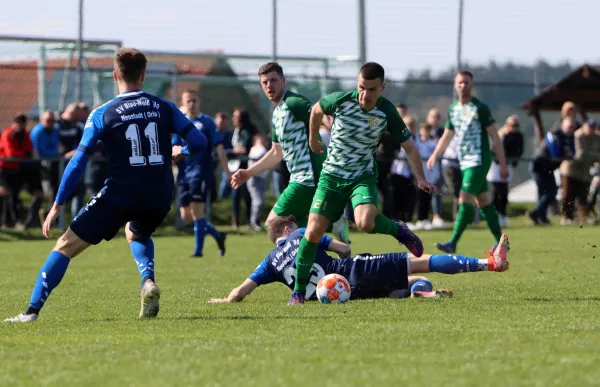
[{"x": 15, "y": 142}]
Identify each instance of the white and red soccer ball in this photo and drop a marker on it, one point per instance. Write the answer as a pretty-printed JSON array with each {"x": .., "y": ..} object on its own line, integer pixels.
[{"x": 333, "y": 289}]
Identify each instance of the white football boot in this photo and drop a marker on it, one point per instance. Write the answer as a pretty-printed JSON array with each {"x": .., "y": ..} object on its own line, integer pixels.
[
  {"x": 150, "y": 296},
  {"x": 22, "y": 318}
]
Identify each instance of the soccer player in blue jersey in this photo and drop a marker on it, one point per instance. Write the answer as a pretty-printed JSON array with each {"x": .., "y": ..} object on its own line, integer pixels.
[
  {"x": 135, "y": 128},
  {"x": 370, "y": 276},
  {"x": 195, "y": 176}
]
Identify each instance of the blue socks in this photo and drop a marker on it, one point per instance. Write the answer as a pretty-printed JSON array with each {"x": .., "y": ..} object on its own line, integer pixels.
[
  {"x": 453, "y": 264},
  {"x": 201, "y": 228},
  {"x": 199, "y": 232},
  {"x": 50, "y": 276},
  {"x": 143, "y": 253},
  {"x": 421, "y": 286}
]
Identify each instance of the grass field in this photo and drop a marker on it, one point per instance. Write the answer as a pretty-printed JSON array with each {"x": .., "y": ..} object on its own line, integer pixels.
[{"x": 537, "y": 324}]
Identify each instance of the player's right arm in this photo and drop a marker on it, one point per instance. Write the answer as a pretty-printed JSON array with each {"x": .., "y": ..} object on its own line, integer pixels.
[
  {"x": 440, "y": 148},
  {"x": 237, "y": 294},
  {"x": 329, "y": 244},
  {"x": 93, "y": 130},
  {"x": 267, "y": 162}
]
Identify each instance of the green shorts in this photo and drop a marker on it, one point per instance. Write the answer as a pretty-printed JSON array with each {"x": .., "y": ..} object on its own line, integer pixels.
[
  {"x": 295, "y": 200},
  {"x": 474, "y": 180},
  {"x": 333, "y": 194}
]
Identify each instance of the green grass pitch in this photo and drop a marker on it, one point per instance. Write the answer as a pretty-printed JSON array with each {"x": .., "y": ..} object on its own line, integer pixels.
[{"x": 537, "y": 324}]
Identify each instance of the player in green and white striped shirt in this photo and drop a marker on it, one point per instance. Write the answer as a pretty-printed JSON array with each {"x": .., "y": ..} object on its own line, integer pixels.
[
  {"x": 350, "y": 170},
  {"x": 290, "y": 143}
]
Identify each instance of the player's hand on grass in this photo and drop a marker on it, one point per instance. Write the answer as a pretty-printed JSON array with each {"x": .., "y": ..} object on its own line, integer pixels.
[
  {"x": 426, "y": 186},
  {"x": 431, "y": 162},
  {"x": 50, "y": 219},
  {"x": 239, "y": 178},
  {"x": 176, "y": 154},
  {"x": 315, "y": 145},
  {"x": 504, "y": 173},
  {"x": 218, "y": 300}
]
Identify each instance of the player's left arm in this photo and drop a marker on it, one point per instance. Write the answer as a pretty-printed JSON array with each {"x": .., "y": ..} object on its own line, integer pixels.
[
  {"x": 237, "y": 294},
  {"x": 402, "y": 136},
  {"x": 329, "y": 244},
  {"x": 488, "y": 122}
]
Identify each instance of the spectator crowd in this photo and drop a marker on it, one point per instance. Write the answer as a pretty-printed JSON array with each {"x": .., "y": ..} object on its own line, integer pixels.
[{"x": 30, "y": 161}]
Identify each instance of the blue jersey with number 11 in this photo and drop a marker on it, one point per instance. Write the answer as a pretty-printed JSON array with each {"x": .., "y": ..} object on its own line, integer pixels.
[{"x": 136, "y": 129}]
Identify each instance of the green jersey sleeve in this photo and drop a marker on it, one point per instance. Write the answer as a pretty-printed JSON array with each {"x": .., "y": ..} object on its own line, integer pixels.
[
  {"x": 300, "y": 108},
  {"x": 330, "y": 102},
  {"x": 274, "y": 138},
  {"x": 485, "y": 116},
  {"x": 395, "y": 124}
]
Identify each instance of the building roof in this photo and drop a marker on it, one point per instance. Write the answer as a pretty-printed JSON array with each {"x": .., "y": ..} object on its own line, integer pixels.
[{"x": 581, "y": 86}]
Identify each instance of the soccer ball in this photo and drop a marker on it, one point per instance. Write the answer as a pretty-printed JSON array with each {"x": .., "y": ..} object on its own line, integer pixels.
[{"x": 333, "y": 288}]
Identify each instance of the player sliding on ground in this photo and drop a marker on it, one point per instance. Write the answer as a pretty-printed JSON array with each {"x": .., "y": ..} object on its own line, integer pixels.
[
  {"x": 370, "y": 276},
  {"x": 350, "y": 172},
  {"x": 136, "y": 129},
  {"x": 471, "y": 120},
  {"x": 195, "y": 174},
  {"x": 290, "y": 123}
]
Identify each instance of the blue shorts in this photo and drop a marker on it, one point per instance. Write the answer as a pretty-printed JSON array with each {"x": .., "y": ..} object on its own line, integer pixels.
[
  {"x": 106, "y": 212},
  {"x": 373, "y": 276},
  {"x": 194, "y": 189}
]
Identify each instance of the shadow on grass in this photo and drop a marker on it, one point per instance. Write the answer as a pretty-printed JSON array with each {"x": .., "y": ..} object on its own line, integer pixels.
[{"x": 572, "y": 299}]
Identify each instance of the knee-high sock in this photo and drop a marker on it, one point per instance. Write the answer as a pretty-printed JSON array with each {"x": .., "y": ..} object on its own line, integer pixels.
[
  {"x": 49, "y": 277},
  {"x": 199, "y": 233},
  {"x": 453, "y": 264},
  {"x": 212, "y": 231},
  {"x": 143, "y": 253},
  {"x": 490, "y": 215},
  {"x": 383, "y": 225},
  {"x": 463, "y": 219},
  {"x": 304, "y": 261}
]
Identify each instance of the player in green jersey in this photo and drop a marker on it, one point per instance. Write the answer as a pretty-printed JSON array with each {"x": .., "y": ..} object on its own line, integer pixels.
[
  {"x": 471, "y": 120},
  {"x": 350, "y": 169},
  {"x": 290, "y": 143}
]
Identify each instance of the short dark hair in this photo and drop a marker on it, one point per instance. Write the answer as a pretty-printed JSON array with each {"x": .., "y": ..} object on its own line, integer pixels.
[
  {"x": 465, "y": 73},
  {"x": 20, "y": 119},
  {"x": 277, "y": 225},
  {"x": 401, "y": 106},
  {"x": 371, "y": 71},
  {"x": 223, "y": 115},
  {"x": 425, "y": 126},
  {"x": 270, "y": 67},
  {"x": 130, "y": 64}
]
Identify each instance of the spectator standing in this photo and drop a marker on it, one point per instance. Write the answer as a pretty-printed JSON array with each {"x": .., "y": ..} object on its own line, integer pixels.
[
  {"x": 222, "y": 122},
  {"x": 16, "y": 143},
  {"x": 403, "y": 188},
  {"x": 434, "y": 117},
  {"x": 45, "y": 138},
  {"x": 71, "y": 131},
  {"x": 575, "y": 173},
  {"x": 258, "y": 183},
  {"x": 513, "y": 142},
  {"x": 557, "y": 146},
  {"x": 426, "y": 146},
  {"x": 242, "y": 142}
]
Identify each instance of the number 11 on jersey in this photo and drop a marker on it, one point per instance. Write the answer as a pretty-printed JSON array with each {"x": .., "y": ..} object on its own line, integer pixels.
[{"x": 133, "y": 135}]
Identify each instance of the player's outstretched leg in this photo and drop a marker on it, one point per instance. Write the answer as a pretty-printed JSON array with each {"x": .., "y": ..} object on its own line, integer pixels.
[
  {"x": 317, "y": 224},
  {"x": 51, "y": 273},
  {"x": 142, "y": 250}
]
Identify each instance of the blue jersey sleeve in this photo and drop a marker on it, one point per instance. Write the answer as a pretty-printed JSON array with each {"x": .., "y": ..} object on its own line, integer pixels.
[
  {"x": 177, "y": 140},
  {"x": 181, "y": 124},
  {"x": 324, "y": 242},
  {"x": 261, "y": 275},
  {"x": 94, "y": 127},
  {"x": 196, "y": 141}
]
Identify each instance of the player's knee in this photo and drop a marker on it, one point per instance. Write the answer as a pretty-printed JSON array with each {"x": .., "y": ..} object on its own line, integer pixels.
[
  {"x": 313, "y": 236},
  {"x": 197, "y": 210},
  {"x": 70, "y": 245},
  {"x": 185, "y": 214},
  {"x": 365, "y": 222}
]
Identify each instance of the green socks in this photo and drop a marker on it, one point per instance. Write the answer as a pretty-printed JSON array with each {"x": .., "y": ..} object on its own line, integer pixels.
[
  {"x": 463, "y": 218},
  {"x": 384, "y": 225},
  {"x": 304, "y": 262},
  {"x": 490, "y": 215}
]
